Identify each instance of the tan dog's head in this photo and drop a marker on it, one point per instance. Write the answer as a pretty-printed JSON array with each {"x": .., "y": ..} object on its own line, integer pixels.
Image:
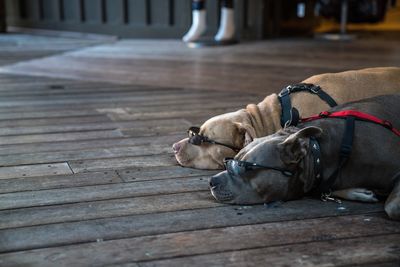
[
  {"x": 281, "y": 171},
  {"x": 233, "y": 129}
]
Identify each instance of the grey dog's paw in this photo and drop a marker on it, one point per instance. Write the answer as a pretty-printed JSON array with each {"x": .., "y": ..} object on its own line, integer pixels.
[{"x": 357, "y": 194}]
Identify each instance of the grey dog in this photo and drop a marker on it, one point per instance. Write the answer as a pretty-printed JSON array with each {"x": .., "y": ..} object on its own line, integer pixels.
[{"x": 282, "y": 167}]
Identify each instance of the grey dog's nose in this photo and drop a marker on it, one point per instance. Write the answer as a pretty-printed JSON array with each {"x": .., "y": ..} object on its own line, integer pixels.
[{"x": 215, "y": 181}]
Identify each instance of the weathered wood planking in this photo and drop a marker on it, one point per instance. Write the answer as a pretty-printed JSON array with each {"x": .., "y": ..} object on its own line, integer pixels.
[
  {"x": 70, "y": 100},
  {"x": 164, "y": 172},
  {"x": 347, "y": 252},
  {"x": 257, "y": 66},
  {"x": 57, "y": 181},
  {"x": 105, "y": 209},
  {"x": 101, "y": 142},
  {"x": 123, "y": 102},
  {"x": 101, "y": 192},
  {"x": 102, "y": 125},
  {"x": 20, "y": 47},
  {"x": 34, "y": 170},
  {"x": 124, "y": 162},
  {"x": 59, "y": 137},
  {"x": 209, "y": 241},
  {"x": 169, "y": 222},
  {"x": 85, "y": 154},
  {"x": 121, "y": 121},
  {"x": 98, "y": 178},
  {"x": 64, "y": 121}
]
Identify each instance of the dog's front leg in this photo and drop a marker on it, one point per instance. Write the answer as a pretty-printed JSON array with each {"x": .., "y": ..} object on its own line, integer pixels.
[
  {"x": 392, "y": 204},
  {"x": 356, "y": 194}
]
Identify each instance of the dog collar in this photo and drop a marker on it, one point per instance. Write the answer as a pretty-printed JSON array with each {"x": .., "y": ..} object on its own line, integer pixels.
[
  {"x": 290, "y": 116},
  {"x": 316, "y": 155}
]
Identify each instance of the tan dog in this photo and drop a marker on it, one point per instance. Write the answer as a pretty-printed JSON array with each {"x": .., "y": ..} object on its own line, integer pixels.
[{"x": 237, "y": 129}]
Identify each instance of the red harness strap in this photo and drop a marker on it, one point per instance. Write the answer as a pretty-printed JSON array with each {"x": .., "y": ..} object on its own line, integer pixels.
[{"x": 356, "y": 114}]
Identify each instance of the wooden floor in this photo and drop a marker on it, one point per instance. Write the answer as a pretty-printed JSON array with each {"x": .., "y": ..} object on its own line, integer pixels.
[{"x": 87, "y": 176}]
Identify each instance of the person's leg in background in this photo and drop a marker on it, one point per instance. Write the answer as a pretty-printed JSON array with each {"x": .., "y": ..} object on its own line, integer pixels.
[
  {"x": 198, "y": 21},
  {"x": 226, "y": 29}
]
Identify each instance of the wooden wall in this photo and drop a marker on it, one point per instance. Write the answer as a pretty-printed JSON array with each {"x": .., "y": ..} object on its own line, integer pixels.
[{"x": 130, "y": 18}]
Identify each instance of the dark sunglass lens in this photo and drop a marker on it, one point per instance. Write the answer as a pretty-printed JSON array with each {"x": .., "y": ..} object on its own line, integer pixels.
[
  {"x": 194, "y": 130},
  {"x": 287, "y": 173},
  {"x": 195, "y": 140}
]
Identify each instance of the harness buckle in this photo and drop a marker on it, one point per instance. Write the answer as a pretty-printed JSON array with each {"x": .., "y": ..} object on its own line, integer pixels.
[
  {"x": 285, "y": 91},
  {"x": 324, "y": 114},
  {"x": 327, "y": 197},
  {"x": 315, "y": 89},
  {"x": 387, "y": 124}
]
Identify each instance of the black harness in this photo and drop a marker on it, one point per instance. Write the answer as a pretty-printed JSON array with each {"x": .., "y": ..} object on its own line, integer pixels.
[
  {"x": 290, "y": 115},
  {"x": 350, "y": 116},
  {"x": 325, "y": 186}
]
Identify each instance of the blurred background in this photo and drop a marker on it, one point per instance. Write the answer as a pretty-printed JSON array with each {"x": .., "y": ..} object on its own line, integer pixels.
[{"x": 255, "y": 19}]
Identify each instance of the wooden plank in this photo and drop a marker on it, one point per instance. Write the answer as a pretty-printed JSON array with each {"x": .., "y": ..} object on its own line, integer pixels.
[
  {"x": 48, "y": 114},
  {"x": 105, "y": 209},
  {"x": 102, "y": 96},
  {"x": 100, "y": 192},
  {"x": 58, "y": 181},
  {"x": 169, "y": 222},
  {"x": 122, "y": 103},
  {"x": 54, "y": 121},
  {"x": 118, "y": 113},
  {"x": 158, "y": 113},
  {"x": 34, "y": 170},
  {"x": 213, "y": 241},
  {"x": 170, "y": 100},
  {"x": 99, "y": 142},
  {"x": 103, "y": 153},
  {"x": 125, "y": 162},
  {"x": 57, "y": 137},
  {"x": 164, "y": 172},
  {"x": 141, "y": 127},
  {"x": 238, "y": 68},
  {"x": 347, "y": 252}
]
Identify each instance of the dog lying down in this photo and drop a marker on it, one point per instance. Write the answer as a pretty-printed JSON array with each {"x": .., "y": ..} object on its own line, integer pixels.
[
  {"x": 232, "y": 131},
  {"x": 316, "y": 158}
]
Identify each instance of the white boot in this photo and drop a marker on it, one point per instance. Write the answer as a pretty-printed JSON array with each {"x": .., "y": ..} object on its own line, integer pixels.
[
  {"x": 226, "y": 29},
  {"x": 198, "y": 26}
]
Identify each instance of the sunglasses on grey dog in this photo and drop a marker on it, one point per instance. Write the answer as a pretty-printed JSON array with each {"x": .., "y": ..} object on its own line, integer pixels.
[
  {"x": 238, "y": 167},
  {"x": 195, "y": 138}
]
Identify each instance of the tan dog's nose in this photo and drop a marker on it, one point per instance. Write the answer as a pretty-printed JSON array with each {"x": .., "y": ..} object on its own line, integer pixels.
[{"x": 176, "y": 147}]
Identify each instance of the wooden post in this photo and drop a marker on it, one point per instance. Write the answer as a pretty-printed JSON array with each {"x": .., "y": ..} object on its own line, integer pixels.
[{"x": 2, "y": 16}]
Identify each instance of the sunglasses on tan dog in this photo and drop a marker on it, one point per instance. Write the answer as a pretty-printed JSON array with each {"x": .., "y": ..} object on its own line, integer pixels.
[{"x": 195, "y": 138}]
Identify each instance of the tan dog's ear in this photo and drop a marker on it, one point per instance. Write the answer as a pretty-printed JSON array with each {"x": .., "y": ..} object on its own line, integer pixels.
[
  {"x": 246, "y": 132},
  {"x": 295, "y": 147}
]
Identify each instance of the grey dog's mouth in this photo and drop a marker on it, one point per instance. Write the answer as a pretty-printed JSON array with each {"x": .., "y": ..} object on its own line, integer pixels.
[{"x": 221, "y": 195}]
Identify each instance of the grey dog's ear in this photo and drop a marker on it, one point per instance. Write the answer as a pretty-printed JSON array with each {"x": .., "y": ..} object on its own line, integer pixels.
[
  {"x": 246, "y": 132},
  {"x": 295, "y": 146}
]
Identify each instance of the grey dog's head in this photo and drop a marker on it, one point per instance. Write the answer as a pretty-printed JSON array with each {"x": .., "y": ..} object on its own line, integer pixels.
[{"x": 285, "y": 176}]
